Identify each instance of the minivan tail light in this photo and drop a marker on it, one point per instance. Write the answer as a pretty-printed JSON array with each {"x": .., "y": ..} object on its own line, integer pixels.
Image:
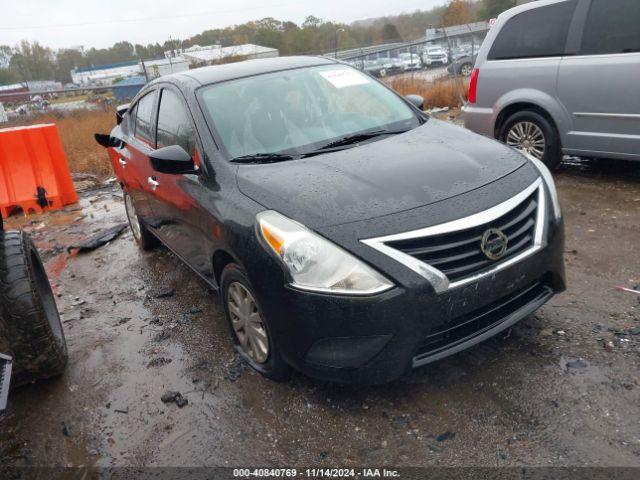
[{"x": 473, "y": 86}]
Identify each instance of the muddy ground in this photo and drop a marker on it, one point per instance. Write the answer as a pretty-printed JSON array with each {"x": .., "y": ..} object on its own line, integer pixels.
[{"x": 561, "y": 388}]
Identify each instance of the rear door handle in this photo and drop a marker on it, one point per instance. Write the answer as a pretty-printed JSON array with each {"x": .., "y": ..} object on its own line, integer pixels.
[
  {"x": 153, "y": 182},
  {"x": 122, "y": 162}
]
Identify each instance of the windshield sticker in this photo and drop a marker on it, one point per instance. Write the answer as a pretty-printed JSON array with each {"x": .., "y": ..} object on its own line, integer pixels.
[{"x": 344, "y": 78}]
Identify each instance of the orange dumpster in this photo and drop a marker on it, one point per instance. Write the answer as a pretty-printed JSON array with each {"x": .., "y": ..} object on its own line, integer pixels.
[{"x": 34, "y": 175}]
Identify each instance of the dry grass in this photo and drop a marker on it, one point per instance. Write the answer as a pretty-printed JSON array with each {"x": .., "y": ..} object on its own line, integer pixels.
[
  {"x": 76, "y": 129},
  {"x": 442, "y": 93}
]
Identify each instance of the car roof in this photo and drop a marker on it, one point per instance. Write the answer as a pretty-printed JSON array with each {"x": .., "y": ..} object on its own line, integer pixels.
[{"x": 247, "y": 68}]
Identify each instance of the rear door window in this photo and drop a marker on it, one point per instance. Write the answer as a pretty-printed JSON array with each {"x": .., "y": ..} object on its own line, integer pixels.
[
  {"x": 541, "y": 32},
  {"x": 613, "y": 26},
  {"x": 144, "y": 118},
  {"x": 174, "y": 123}
]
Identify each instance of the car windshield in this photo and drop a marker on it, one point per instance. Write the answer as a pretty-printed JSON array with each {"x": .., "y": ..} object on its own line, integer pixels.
[{"x": 299, "y": 111}]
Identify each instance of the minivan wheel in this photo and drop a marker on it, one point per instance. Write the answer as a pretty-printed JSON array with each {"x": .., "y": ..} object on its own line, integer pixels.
[
  {"x": 143, "y": 237},
  {"x": 248, "y": 325},
  {"x": 534, "y": 134}
]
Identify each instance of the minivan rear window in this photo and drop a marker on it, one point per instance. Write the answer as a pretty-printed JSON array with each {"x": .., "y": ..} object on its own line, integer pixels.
[
  {"x": 612, "y": 27},
  {"x": 541, "y": 32}
]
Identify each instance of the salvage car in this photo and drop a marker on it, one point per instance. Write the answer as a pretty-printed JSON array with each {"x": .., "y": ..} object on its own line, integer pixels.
[
  {"x": 410, "y": 61},
  {"x": 375, "y": 68},
  {"x": 560, "y": 77},
  {"x": 350, "y": 236}
]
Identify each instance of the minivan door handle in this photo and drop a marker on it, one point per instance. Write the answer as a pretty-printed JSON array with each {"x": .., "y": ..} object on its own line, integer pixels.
[
  {"x": 122, "y": 162},
  {"x": 153, "y": 182}
]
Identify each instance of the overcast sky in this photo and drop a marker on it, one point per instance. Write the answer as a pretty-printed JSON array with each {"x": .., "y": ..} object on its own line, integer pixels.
[{"x": 94, "y": 23}]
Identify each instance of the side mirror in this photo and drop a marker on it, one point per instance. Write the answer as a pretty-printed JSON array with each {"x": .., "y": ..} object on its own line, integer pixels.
[
  {"x": 415, "y": 100},
  {"x": 172, "y": 160},
  {"x": 107, "y": 141}
]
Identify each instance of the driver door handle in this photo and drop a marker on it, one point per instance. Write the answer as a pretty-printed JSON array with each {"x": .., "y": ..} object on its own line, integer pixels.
[{"x": 153, "y": 182}]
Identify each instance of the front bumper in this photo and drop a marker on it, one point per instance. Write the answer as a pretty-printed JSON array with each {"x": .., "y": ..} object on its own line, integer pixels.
[{"x": 374, "y": 340}]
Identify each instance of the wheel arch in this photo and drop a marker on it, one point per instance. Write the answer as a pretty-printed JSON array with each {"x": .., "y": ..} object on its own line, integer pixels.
[
  {"x": 221, "y": 258},
  {"x": 509, "y": 110},
  {"x": 537, "y": 101}
]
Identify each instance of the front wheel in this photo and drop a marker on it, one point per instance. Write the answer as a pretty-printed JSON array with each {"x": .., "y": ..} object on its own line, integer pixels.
[
  {"x": 141, "y": 234},
  {"x": 250, "y": 329},
  {"x": 535, "y": 135}
]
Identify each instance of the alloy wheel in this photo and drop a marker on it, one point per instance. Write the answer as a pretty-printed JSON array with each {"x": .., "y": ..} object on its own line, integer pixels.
[
  {"x": 247, "y": 323},
  {"x": 133, "y": 217},
  {"x": 527, "y": 136}
]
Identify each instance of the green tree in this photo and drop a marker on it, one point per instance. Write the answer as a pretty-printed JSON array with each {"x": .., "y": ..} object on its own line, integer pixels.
[
  {"x": 8, "y": 76},
  {"x": 32, "y": 61},
  {"x": 67, "y": 60},
  {"x": 390, "y": 33}
]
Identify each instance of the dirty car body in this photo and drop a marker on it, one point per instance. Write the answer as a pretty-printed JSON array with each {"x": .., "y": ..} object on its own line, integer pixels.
[{"x": 447, "y": 237}]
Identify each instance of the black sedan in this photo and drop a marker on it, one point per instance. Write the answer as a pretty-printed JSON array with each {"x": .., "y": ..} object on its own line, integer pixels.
[{"x": 349, "y": 235}]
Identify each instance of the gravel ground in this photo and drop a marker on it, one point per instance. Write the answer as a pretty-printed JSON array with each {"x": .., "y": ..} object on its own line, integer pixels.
[{"x": 561, "y": 388}]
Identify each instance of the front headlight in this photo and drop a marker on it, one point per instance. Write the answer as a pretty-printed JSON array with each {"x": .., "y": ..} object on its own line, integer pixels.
[
  {"x": 315, "y": 263},
  {"x": 551, "y": 185}
]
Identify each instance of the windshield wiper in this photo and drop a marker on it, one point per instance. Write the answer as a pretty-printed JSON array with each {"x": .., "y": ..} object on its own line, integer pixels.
[
  {"x": 359, "y": 137},
  {"x": 263, "y": 158}
]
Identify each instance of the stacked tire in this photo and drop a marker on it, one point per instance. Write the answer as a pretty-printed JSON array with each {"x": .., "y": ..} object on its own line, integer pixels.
[{"x": 30, "y": 327}]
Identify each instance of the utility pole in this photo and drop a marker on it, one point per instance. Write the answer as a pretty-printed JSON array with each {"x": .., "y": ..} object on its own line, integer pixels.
[
  {"x": 336, "y": 42},
  {"x": 144, "y": 70}
]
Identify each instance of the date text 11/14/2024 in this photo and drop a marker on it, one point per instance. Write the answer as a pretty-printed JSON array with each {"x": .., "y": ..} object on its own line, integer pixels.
[{"x": 315, "y": 473}]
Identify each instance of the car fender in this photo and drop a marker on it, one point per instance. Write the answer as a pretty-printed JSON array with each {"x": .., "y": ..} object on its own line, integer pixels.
[{"x": 539, "y": 99}]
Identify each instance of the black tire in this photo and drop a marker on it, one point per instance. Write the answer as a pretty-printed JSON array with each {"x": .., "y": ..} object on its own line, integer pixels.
[
  {"x": 553, "y": 148},
  {"x": 274, "y": 368},
  {"x": 28, "y": 312},
  {"x": 145, "y": 239}
]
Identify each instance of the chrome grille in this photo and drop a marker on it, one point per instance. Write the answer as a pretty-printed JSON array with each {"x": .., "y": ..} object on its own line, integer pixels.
[
  {"x": 450, "y": 255},
  {"x": 458, "y": 254}
]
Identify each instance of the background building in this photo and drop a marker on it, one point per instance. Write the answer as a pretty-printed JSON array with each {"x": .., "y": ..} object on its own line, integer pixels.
[
  {"x": 104, "y": 74},
  {"x": 208, "y": 55}
]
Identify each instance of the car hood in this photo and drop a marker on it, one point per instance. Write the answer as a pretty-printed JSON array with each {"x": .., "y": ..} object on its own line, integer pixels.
[{"x": 429, "y": 164}]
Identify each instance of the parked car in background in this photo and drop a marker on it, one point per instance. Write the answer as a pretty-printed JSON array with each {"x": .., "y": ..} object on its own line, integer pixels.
[
  {"x": 558, "y": 77},
  {"x": 375, "y": 68},
  {"x": 392, "y": 65},
  {"x": 434, "y": 56},
  {"x": 410, "y": 61},
  {"x": 462, "y": 66},
  {"x": 461, "y": 52},
  {"x": 349, "y": 235}
]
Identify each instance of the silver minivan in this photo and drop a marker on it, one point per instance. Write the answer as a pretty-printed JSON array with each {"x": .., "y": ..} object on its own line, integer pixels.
[{"x": 558, "y": 77}]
